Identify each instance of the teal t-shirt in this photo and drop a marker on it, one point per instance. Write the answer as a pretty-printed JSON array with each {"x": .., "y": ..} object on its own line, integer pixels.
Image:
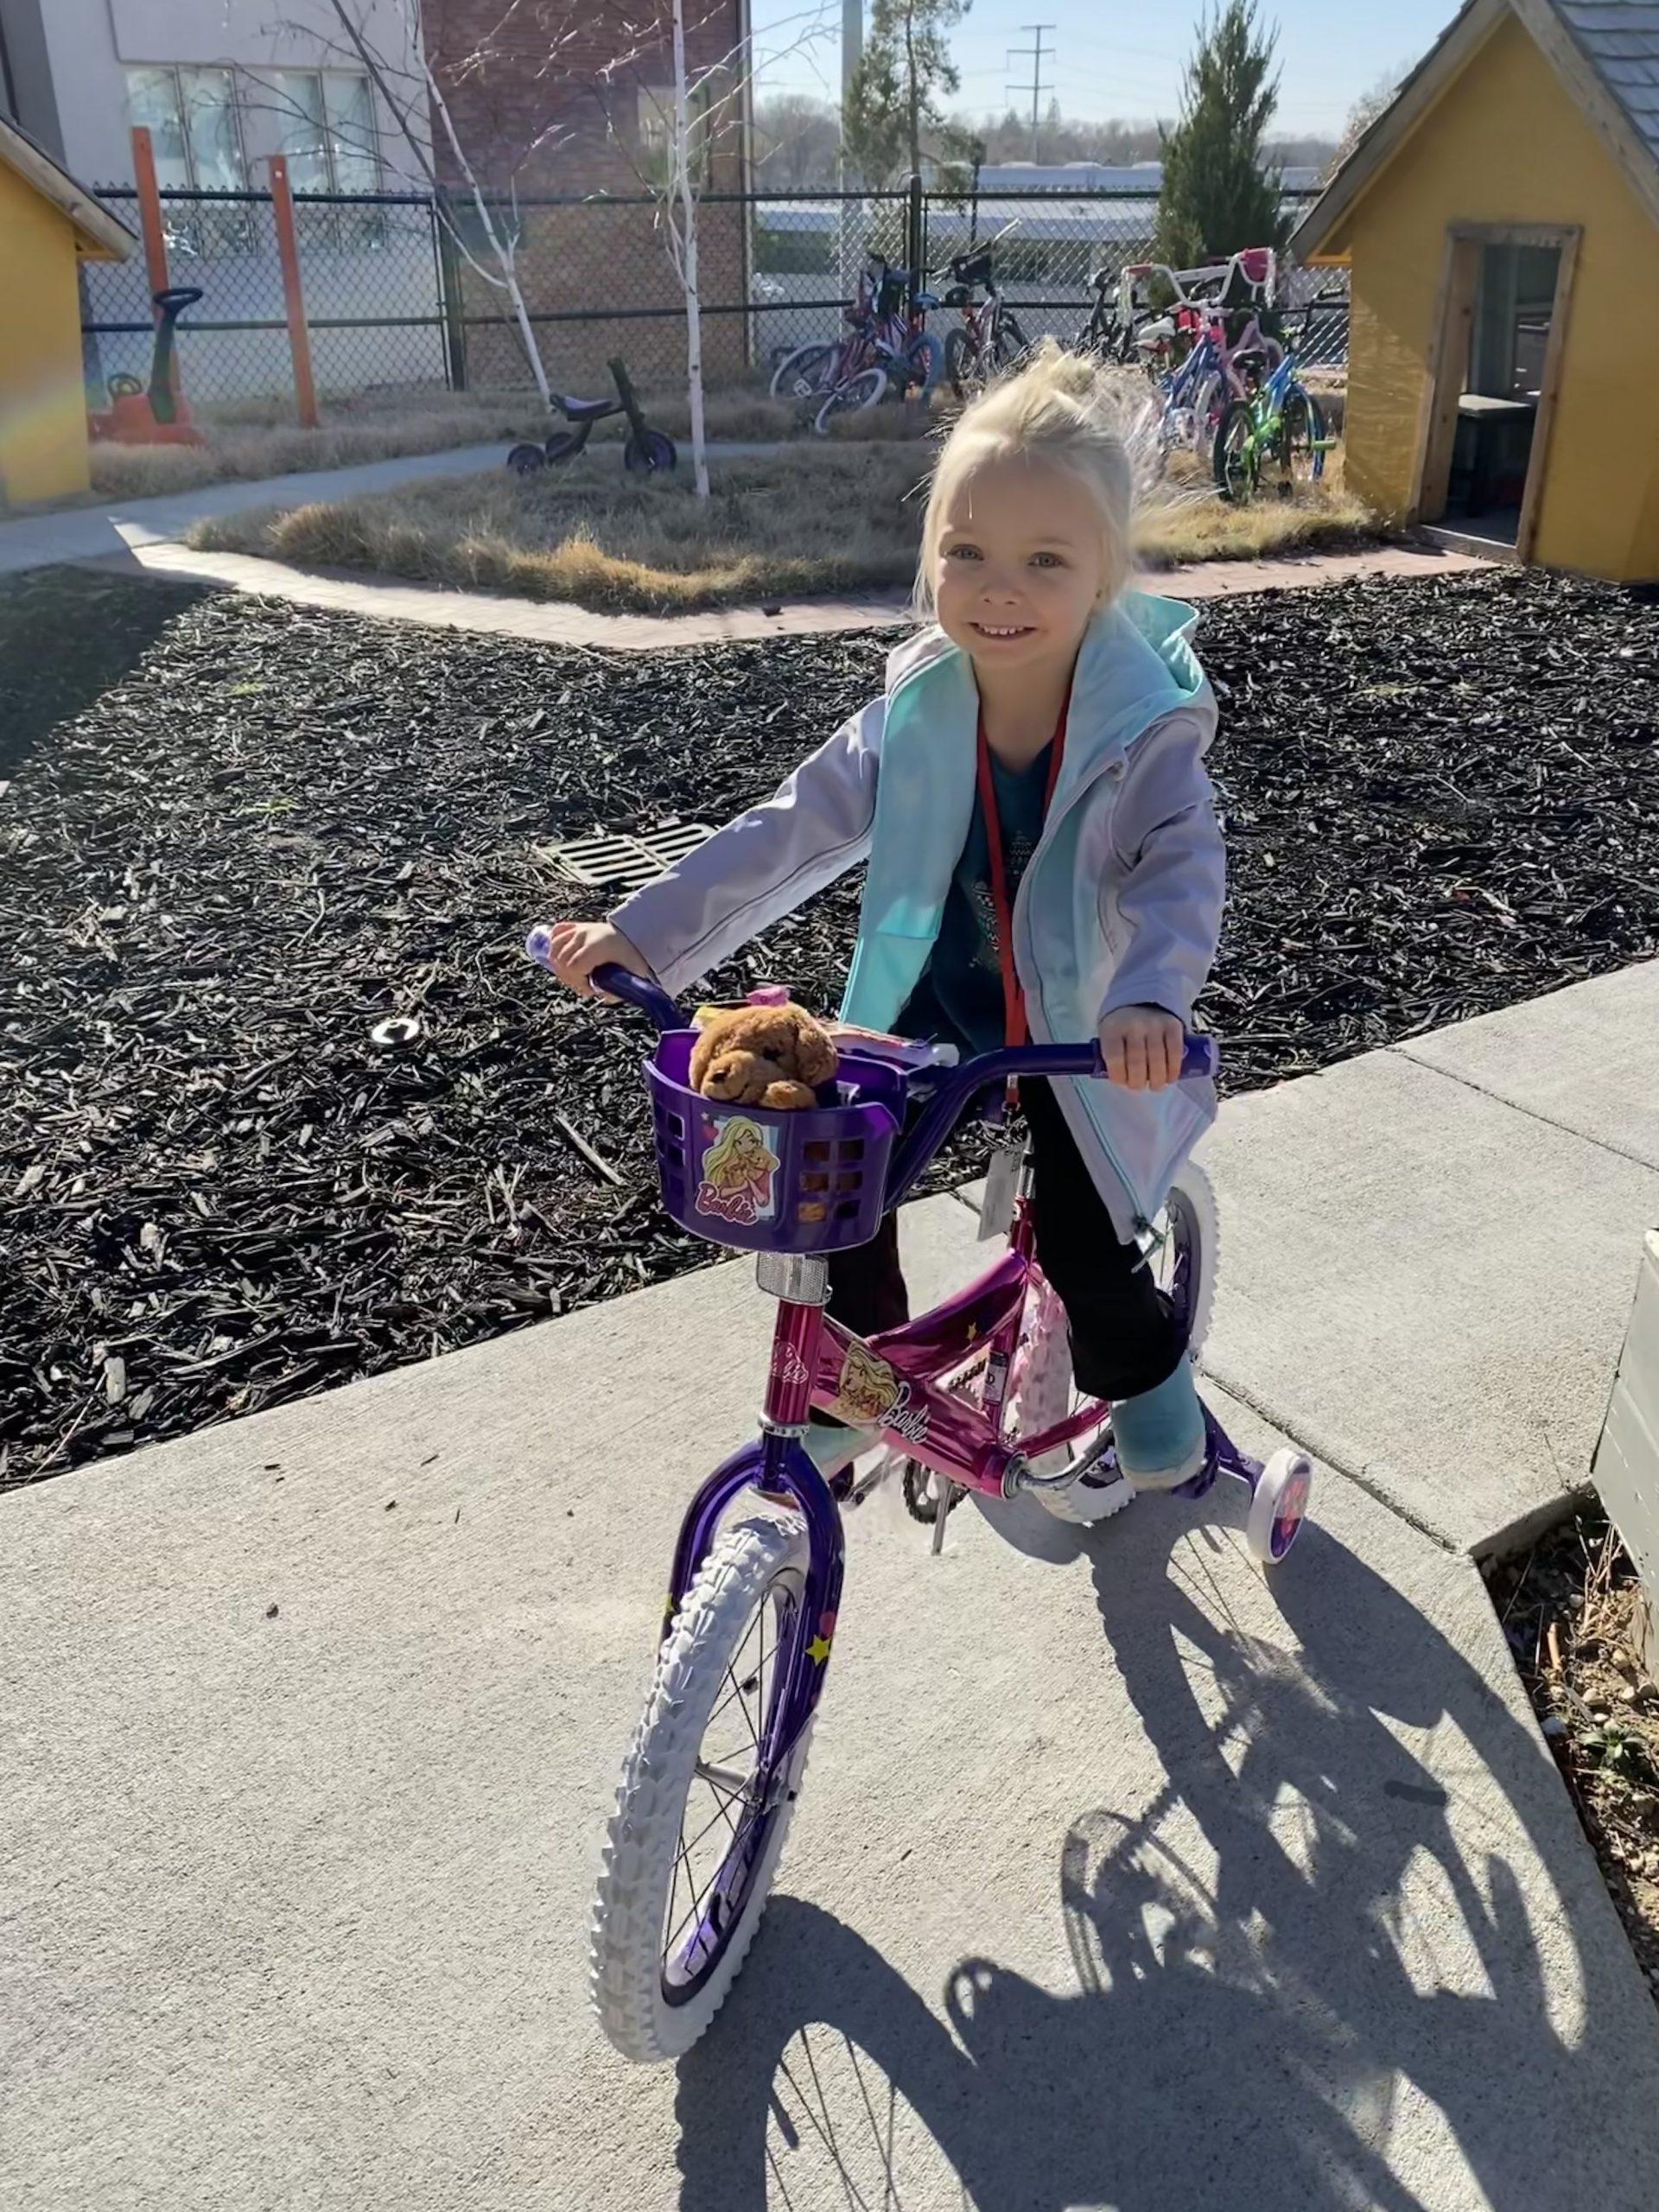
[{"x": 958, "y": 999}]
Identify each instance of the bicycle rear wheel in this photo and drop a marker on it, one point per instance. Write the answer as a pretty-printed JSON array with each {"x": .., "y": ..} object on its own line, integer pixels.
[
  {"x": 1300, "y": 449},
  {"x": 705, "y": 1799},
  {"x": 1237, "y": 459},
  {"x": 1041, "y": 1389}
]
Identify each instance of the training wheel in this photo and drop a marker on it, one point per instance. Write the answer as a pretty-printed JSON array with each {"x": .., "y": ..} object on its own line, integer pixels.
[
  {"x": 1278, "y": 1506},
  {"x": 526, "y": 460}
]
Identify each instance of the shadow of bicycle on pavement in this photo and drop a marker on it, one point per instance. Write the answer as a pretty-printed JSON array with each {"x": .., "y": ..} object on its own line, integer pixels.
[{"x": 1285, "y": 1964}]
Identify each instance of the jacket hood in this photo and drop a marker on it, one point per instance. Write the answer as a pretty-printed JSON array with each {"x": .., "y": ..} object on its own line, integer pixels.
[{"x": 1136, "y": 665}]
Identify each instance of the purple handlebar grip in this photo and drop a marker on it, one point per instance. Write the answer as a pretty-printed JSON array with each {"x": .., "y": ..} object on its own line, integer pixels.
[
  {"x": 1199, "y": 1057},
  {"x": 620, "y": 983}
]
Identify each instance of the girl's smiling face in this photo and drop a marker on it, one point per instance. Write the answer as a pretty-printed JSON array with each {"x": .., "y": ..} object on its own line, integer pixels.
[{"x": 1022, "y": 563}]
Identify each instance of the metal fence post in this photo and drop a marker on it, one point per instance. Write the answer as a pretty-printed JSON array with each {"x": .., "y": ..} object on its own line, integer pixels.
[
  {"x": 287, "y": 252},
  {"x": 915, "y": 239}
]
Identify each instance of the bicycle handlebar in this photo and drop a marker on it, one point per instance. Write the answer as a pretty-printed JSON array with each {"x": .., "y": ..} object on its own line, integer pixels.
[{"x": 955, "y": 1089}]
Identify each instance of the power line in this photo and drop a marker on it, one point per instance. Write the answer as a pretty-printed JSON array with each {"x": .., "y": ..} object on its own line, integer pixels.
[{"x": 1036, "y": 56}]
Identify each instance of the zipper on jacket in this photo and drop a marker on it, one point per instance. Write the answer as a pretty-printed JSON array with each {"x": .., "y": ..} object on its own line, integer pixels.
[{"x": 1143, "y": 1229}]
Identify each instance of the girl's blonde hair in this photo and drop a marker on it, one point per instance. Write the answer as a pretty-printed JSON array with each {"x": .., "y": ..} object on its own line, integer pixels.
[{"x": 1057, "y": 408}]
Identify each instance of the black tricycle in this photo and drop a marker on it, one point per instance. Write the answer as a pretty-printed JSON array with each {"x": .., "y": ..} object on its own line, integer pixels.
[{"x": 645, "y": 451}]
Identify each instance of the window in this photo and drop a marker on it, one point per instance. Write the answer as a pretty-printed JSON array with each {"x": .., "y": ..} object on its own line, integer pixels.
[
  {"x": 326, "y": 128},
  {"x": 193, "y": 127},
  {"x": 655, "y": 129}
]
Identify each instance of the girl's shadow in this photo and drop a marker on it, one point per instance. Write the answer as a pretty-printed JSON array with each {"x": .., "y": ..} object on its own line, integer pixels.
[{"x": 1258, "y": 1986}]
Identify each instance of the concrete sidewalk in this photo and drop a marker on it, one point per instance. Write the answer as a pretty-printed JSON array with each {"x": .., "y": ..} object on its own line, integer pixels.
[
  {"x": 1136, "y": 1881},
  {"x": 125, "y": 526}
]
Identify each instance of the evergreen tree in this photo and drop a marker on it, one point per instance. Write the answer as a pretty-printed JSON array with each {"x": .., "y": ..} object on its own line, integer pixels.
[
  {"x": 894, "y": 99},
  {"x": 1216, "y": 196}
]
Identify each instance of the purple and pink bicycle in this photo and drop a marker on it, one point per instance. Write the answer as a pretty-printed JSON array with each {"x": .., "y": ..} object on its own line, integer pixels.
[{"x": 974, "y": 1397}]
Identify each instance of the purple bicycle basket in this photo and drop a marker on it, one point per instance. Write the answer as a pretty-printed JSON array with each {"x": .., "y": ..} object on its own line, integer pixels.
[{"x": 764, "y": 1181}]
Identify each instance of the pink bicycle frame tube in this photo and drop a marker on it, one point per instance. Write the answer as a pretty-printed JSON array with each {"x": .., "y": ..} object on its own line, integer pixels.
[{"x": 889, "y": 1380}]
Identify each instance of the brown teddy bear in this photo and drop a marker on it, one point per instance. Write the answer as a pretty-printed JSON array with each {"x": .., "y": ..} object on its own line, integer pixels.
[{"x": 774, "y": 1056}]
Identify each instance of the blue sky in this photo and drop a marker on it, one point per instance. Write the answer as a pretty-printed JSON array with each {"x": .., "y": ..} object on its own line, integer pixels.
[{"x": 1123, "y": 57}]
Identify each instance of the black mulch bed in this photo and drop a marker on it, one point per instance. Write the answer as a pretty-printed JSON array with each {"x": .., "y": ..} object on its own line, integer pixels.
[{"x": 237, "y": 835}]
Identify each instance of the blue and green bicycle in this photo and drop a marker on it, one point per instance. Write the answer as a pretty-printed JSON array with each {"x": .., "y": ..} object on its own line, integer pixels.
[{"x": 1277, "y": 432}]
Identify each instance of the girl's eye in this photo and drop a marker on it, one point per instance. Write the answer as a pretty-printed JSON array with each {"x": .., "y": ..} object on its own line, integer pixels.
[
  {"x": 964, "y": 553},
  {"x": 1047, "y": 561}
]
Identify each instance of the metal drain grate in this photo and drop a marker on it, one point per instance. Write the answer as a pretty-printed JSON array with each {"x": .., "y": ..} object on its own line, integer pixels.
[{"x": 613, "y": 859}]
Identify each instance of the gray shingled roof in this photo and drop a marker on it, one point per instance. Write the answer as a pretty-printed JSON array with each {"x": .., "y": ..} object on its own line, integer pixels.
[{"x": 1620, "y": 39}]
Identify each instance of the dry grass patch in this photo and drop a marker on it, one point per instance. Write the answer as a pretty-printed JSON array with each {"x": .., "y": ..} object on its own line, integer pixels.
[
  {"x": 250, "y": 440},
  {"x": 810, "y": 520}
]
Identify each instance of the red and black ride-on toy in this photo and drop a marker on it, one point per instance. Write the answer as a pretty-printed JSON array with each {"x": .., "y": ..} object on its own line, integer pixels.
[
  {"x": 157, "y": 417},
  {"x": 645, "y": 451}
]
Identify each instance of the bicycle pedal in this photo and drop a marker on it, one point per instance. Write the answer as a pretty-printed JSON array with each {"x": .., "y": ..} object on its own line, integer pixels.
[{"x": 1099, "y": 1489}]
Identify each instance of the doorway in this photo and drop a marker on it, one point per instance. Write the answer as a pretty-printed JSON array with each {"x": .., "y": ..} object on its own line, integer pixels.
[{"x": 1497, "y": 345}]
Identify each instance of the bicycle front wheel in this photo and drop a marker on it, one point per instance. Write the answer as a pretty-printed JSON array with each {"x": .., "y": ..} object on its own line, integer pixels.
[
  {"x": 705, "y": 1801},
  {"x": 802, "y": 373},
  {"x": 1237, "y": 459},
  {"x": 852, "y": 397}
]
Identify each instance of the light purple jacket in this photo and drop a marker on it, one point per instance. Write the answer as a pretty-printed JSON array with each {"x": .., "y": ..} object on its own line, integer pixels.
[{"x": 1120, "y": 905}]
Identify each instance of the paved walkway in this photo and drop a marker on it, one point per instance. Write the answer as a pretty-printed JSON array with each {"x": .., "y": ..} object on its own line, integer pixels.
[
  {"x": 1127, "y": 1879},
  {"x": 385, "y": 597},
  {"x": 149, "y": 533},
  {"x": 127, "y": 525}
]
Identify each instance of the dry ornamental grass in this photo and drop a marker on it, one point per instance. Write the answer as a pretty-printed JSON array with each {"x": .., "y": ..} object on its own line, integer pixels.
[{"x": 820, "y": 518}]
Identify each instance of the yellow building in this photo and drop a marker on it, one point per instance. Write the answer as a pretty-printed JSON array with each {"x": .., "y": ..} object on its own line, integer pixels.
[
  {"x": 47, "y": 223},
  {"x": 1501, "y": 223}
]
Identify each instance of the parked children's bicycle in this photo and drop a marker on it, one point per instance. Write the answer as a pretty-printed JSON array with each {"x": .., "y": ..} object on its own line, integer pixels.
[
  {"x": 645, "y": 451},
  {"x": 886, "y": 349},
  {"x": 990, "y": 337},
  {"x": 977, "y": 1393},
  {"x": 1281, "y": 426},
  {"x": 1216, "y": 372}
]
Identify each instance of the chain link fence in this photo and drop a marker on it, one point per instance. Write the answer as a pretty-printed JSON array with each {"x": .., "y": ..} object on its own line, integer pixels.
[
  {"x": 399, "y": 301},
  {"x": 374, "y": 298}
]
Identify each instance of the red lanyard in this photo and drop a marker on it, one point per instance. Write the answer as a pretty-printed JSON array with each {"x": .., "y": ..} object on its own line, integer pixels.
[{"x": 1016, "y": 1027}]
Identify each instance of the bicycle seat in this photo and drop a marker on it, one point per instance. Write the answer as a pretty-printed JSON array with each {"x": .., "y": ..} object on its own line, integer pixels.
[
  {"x": 925, "y": 300},
  {"x": 585, "y": 410}
]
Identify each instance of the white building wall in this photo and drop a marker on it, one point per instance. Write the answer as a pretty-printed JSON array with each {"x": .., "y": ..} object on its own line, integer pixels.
[{"x": 350, "y": 267}]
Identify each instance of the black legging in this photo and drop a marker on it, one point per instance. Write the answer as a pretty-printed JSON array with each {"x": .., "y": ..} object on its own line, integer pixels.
[{"x": 1125, "y": 1338}]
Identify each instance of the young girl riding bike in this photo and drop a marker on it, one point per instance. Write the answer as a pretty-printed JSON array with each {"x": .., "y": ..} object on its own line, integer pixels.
[{"x": 1044, "y": 861}]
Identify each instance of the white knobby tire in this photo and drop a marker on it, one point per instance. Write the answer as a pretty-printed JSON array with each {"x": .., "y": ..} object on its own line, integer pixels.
[
  {"x": 1042, "y": 1391},
  {"x": 752, "y": 1560}
]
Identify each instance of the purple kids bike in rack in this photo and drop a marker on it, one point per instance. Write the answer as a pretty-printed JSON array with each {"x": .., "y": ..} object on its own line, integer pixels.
[{"x": 975, "y": 1395}]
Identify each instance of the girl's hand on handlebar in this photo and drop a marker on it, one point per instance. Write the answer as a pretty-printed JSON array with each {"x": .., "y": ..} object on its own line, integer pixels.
[
  {"x": 575, "y": 948},
  {"x": 1142, "y": 1046}
]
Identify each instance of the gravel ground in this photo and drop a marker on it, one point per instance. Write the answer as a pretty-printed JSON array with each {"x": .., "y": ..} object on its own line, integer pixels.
[{"x": 238, "y": 834}]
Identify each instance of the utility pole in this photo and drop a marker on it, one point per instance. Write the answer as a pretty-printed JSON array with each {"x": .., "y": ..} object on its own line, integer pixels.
[
  {"x": 1036, "y": 56},
  {"x": 852, "y": 42}
]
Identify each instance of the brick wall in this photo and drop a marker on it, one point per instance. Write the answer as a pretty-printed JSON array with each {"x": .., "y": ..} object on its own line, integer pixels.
[{"x": 552, "y": 104}]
